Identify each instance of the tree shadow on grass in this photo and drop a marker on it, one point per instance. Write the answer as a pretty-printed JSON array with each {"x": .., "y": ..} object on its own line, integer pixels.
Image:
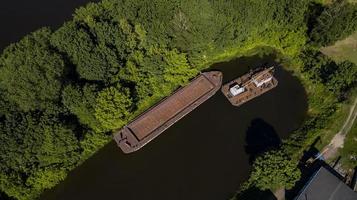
[{"x": 260, "y": 138}]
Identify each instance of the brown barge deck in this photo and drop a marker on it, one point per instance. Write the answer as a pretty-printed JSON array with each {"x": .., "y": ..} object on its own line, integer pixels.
[
  {"x": 249, "y": 86},
  {"x": 160, "y": 117}
]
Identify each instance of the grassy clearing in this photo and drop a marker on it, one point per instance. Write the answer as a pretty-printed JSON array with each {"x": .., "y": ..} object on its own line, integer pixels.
[
  {"x": 339, "y": 118},
  {"x": 343, "y": 50},
  {"x": 349, "y": 151}
]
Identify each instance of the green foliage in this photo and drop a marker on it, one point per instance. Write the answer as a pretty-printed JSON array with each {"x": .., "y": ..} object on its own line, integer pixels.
[
  {"x": 178, "y": 70},
  {"x": 338, "y": 77},
  {"x": 98, "y": 44},
  {"x": 113, "y": 107},
  {"x": 316, "y": 65},
  {"x": 36, "y": 152},
  {"x": 93, "y": 61},
  {"x": 91, "y": 143},
  {"x": 63, "y": 92},
  {"x": 274, "y": 170},
  {"x": 81, "y": 102},
  {"x": 344, "y": 78},
  {"x": 192, "y": 26},
  {"x": 336, "y": 22},
  {"x": 349, "y": 150},
  {"x": 31, "y": 72}
]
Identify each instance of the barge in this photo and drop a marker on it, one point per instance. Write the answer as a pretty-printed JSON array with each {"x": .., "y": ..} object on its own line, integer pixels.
[
  {"x": 249, "y": 86},
  {"x": 167, "y": 112}
]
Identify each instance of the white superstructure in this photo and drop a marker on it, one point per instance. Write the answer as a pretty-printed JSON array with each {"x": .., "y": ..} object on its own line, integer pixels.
[
  {"x": 261, "y": 82},
  {"x": 235, "y": 90}
]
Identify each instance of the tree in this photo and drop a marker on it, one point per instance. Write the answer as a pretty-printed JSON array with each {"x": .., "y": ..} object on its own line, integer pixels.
[
  {"x": 98, "y": 46},
  {"x": 317, "y": 66},
  {"x": 93, "y": 61},
  {"x": 177, "y": 70},
  {"x": 113, "y": 107},
  {"x": 81, "y": 102},
  {"x": 338, "y": 77},
  {"x": 274, "y": 170},
  {"x": 92, "y": 142},
  {"x": 343, "y": 78},
  {"x": 192, "y": 26},
  {"x": 31, "y": 72},
  {"x": 336, "y": 22},
  {"x": 36, "y": 152}
]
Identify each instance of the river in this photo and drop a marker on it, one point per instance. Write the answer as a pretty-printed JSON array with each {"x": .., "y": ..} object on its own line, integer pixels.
[
  {"x": 20, "y": 17},
  {"x": 206, "y": 155}
]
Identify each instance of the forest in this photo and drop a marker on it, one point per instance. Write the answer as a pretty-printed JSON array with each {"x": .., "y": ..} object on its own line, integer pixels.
[{"x": 63, "y": 92}]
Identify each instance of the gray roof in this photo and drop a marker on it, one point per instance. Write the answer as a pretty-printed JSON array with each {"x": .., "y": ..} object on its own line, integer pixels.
[{"x": 326, "y": 186}]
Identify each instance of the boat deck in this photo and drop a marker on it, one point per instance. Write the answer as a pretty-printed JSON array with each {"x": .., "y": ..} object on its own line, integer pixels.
[
  {"x": 167, "y": 112},
  {"x": 251, "y": 89}
]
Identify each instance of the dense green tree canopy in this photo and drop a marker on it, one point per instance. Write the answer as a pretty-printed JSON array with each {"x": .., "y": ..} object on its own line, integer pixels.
[
  {"x": 63, "y": 92},
  {"x": 35, "y": 153},
  {"x": 274, "y": 170},
  {"x": 80, "y": 101},
  {"x": 336, "y": 22},
  {"x": 344, "y": 77},
  {"x": 31, "y": 72},
  {"x": 338, "y": 77},
  {"x": 113, "y": 107}
]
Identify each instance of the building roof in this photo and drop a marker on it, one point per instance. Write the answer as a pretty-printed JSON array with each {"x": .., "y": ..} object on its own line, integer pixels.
[{"x": 326, "y": 186}]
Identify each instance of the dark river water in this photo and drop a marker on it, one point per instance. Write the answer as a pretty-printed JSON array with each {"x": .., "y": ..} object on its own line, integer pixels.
[
  {"x": 20, "y": 17},
  {"x": 205, "y": 155}
]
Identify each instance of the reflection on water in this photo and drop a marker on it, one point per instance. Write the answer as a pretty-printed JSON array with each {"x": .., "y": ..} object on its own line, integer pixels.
[{"x": 203, "y": 156}]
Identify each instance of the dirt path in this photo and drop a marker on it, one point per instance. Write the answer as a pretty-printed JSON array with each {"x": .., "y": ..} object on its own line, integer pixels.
[{"x": 338, "y": 140}]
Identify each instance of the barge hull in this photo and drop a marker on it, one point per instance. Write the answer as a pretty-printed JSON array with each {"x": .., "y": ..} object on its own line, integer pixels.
[{"x": 167, "y": 112}]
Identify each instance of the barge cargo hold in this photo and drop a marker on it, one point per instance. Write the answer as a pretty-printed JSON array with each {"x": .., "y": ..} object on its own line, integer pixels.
[
  {"x": 167, "y": 112},
  {"x": 249, "y": 86}
]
